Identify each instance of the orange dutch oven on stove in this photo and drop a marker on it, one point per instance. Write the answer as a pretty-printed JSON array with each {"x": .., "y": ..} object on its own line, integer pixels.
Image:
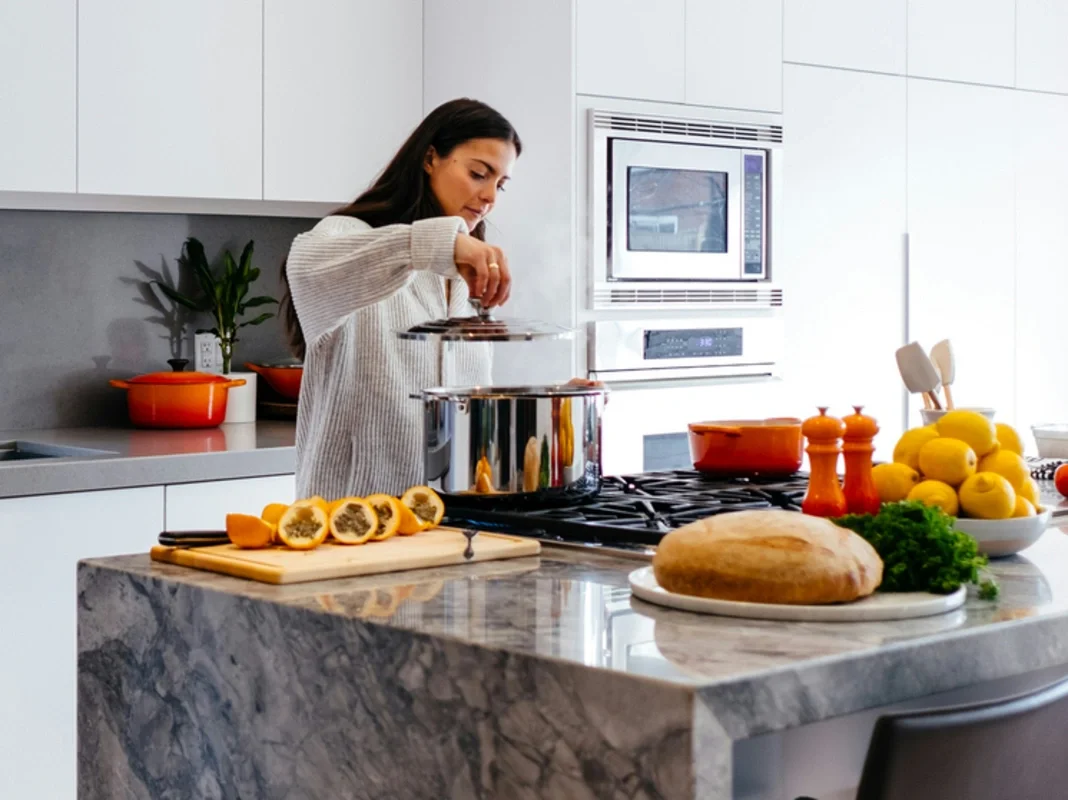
[
  {"x": 747, "y": 447},
  {"x": 177, "y": 399}
]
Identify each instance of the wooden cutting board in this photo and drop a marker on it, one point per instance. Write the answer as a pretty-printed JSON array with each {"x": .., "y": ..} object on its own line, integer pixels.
[{"x": 437, "y": 548}]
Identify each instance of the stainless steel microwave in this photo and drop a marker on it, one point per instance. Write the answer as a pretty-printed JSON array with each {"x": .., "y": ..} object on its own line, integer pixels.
[{"x": 682, "y": 201}]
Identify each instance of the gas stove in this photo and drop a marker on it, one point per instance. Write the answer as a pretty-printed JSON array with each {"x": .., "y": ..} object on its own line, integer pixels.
[{"x": 633, "y": 512}]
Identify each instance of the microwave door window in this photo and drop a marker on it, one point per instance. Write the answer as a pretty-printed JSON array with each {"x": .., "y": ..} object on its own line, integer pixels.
[{"x": 676, "y": 210}]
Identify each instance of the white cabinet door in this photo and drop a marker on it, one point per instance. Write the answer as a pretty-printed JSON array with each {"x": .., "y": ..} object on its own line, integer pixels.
[
  {"x": 204, "y": 506},
  {"x": 962, "y": 40},
  {"x": 170, "y": 98},
  {"x": 843, "y": 267},
  {"x": 961, "y": 191},
  {"x": 734, "y": 54},
  {"x": 846, "y": 33},
  {"x": 1041, "y": 54},
  {"x": 38, "y": 76},
  {"x": 43, "y": 538},
  {"x": 632, "y": 48},
  {"x": 328, "y": 131},
  {"x": 1041, "y": 260}
]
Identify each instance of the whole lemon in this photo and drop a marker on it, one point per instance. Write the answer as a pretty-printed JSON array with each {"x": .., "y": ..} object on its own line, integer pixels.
[
  {"x": 1008, "y": 438},
  {"x": 1008, "y": 465},
  {"x": 986, "y": 495},
  {"x": 948, "y": 460},
  {"x": 1029, "y": 491},
  {"x": 894, "y": 481},
  {"x": 970, "y": 427},
  {"x": 907, "y": 449},
  {"x": 1023, "y": 507},
  {"x": 936, "y": 493}
]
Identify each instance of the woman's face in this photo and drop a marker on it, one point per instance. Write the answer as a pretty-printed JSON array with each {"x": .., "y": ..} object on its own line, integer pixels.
[{"x": 466, "y": 181}]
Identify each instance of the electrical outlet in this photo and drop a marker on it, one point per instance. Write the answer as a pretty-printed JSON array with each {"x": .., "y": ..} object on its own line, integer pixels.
[{"x": 208, "y": 356}]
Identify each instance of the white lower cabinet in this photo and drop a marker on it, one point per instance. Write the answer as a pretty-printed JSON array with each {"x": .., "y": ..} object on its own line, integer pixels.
[
  {"x": 43, "y": 539},
  {"x": 204, "y": 506}
]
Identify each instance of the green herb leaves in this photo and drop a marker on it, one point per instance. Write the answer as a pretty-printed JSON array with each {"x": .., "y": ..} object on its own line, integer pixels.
[{"x": 920, "y": 549}]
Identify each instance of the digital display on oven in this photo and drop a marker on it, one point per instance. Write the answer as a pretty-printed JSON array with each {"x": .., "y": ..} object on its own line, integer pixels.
[{"x": 692, "y": 343}]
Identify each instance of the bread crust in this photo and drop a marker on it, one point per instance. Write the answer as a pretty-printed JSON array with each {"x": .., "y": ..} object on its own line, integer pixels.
[{"x": 768, "y": 557}]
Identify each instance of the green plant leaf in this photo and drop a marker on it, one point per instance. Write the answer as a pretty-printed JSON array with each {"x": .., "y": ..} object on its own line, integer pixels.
[
  {"x": 246, "y": 261},
  {"x": 253, "y": 274},
  {"x": 257, "y": 320},
  {"x": 180, "y": 298},
  {"x": 253, "y": 302},
  {"x": 193, "y": 255}
]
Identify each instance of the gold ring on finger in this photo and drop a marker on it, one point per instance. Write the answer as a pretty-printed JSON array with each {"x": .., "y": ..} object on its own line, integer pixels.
[{"x": 494, "y": 265}]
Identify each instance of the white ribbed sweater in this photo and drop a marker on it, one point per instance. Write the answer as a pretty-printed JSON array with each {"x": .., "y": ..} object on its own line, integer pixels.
[{"x": 353, "y": 286}]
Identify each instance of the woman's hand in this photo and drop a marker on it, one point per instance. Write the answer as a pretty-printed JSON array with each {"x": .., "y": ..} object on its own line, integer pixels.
[{"x": 484, "y": 269}]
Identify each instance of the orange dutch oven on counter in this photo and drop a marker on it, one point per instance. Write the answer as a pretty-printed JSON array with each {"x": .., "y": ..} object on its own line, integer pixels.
[
  {"x": 177, "y": 399},
  {"x": 282, "y": 376},
  {"x": 747, "y": 447}
]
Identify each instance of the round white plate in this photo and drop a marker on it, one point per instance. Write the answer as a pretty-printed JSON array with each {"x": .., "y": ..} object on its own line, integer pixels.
[{"x": 879, "y": 606}]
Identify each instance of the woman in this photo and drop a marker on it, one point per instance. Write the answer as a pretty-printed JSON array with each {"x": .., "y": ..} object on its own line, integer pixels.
[{"x": 408, "y": 250}]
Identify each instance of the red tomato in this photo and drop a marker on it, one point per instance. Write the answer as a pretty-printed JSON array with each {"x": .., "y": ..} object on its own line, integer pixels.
[{"x": 1060, "y": 479}]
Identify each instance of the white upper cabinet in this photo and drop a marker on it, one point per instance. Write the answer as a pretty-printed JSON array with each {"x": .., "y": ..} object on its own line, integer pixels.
[
  {"x": 343, "y": 88},
  {"x": 734, "y": 54},
  {"x": 1042, "y": 45},
  {"x": 962, "y": 40},
  {"x": 632, "y": 48},
  {"x": 843, "y": 241},
  {"x": 961, "y": 191},
  {"x": 170, "y": 98},
  {"x": 857, "y": 34},
  {"x": 38, "y": 80},
  {"x": 1041, "y": 258}
]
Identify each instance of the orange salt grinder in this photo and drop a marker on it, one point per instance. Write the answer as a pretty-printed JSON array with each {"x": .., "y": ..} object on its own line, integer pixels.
[
  {"x": 860, "y": 493},
  {"x": 824, "y": 497}
]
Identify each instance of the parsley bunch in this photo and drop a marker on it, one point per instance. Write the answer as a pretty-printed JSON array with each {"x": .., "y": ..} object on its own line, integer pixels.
[{"x": 920, "y": 549}]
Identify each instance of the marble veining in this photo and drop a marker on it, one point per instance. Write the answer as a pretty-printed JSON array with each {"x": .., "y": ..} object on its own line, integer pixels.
[{"x": 537, "y": 677}]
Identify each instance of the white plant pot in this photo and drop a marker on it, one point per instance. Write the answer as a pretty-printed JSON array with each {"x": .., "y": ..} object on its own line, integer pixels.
[{"x": 241, "y": 402}]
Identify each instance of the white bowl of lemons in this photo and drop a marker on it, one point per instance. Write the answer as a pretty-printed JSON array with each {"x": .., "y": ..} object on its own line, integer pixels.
[
  {"x": 974, "y": 470},
  {"x": 1003, "y": 537}
]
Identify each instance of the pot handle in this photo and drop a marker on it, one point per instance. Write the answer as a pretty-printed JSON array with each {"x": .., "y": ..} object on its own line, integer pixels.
[
  {"x": 232, "y": 384},
  {"x": 254, "y": 368},
  {"x": 119, "y": 384},
  {"x": 727, "y": 430}
]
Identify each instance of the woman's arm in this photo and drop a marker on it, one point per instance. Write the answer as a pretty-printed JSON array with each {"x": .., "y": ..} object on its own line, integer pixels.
[{"x": 343, "y": 265}]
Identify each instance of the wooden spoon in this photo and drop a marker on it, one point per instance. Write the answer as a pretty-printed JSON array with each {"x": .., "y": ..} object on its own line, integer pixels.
[
  {"x": 942, "y": 357},
  {"x": 918, "y": 373}
]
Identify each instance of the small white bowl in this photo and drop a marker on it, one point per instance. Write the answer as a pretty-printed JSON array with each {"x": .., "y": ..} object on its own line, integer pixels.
[
  {"x": 1003, "y": 537},
  {"x": 1051, "y": 440},
  {"x": 930, "y": 415}
]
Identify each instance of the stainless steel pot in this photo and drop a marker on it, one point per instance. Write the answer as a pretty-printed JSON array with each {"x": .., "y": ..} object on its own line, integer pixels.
[{"x": 531, "y": 444}]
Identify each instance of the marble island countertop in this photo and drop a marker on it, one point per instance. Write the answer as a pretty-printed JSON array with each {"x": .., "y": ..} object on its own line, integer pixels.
[{"x": 537, "y": 677}]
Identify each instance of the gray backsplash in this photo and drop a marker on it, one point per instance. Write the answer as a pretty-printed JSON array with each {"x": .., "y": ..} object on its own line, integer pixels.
[{"x": 71, "y": 315}]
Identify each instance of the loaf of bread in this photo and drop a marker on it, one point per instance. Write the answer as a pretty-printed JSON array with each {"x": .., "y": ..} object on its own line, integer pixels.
[{"x": 768, "y": 557}]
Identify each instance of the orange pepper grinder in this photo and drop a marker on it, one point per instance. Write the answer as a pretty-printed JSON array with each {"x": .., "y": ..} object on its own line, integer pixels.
[
  {"x": 860, "y": 493},
  {"x": 824, "y": 497}
]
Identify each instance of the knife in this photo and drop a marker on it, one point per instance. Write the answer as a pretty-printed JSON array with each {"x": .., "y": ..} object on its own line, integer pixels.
[{"x": 193, "y": 538}]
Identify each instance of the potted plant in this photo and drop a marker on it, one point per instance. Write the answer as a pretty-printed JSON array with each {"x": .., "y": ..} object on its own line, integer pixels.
[{"x": 224, "y": 295}]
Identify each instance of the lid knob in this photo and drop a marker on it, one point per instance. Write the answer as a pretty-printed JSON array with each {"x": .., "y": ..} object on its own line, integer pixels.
[{"x": 178, "y": 364}]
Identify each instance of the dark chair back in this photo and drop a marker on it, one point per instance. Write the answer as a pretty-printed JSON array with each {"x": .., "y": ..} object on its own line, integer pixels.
[{"x": 1013, "y": 749}]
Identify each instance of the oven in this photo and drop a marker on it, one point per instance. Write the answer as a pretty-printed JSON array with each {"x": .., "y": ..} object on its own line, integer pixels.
[{"x": 682, "y": 205}]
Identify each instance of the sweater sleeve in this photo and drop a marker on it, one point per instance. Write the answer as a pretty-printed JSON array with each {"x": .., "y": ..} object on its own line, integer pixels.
[{"x": 343, "y": 264}]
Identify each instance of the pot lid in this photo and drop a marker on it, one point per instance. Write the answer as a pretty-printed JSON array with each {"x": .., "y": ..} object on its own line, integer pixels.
[
  {"x": 177, "y": 379},
  {"x": 483, "y": 327},
  {"x": 504, "y": 392}
]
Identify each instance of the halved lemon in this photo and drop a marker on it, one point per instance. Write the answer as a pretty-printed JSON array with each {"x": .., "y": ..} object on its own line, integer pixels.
[
  {"x": 353, "y": 520},
  {"x": 248, "y": 531},
  {"x": 387, "y": 508},
  {"x": 303, "y": 526},
  {"x": 425, "y": 504}
]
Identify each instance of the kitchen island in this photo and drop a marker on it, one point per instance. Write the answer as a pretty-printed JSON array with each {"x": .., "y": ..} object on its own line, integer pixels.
[{"x": 536, "y": 677}]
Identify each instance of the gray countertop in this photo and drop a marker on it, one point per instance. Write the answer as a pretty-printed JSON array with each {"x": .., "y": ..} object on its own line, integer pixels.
[
  {"x": 525, "y": 654},
  {"x": 128, "y": 457}
]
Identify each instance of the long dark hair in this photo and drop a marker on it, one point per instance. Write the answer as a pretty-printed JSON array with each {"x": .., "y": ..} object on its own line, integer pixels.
[{"x": 402, "y": 194}]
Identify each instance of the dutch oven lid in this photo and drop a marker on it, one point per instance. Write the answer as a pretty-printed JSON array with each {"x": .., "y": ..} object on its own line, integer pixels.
[
  {"x": 484, "y": 328},
  {"x": 505, "y": 392},
  {"x": 178, "y": 379}
]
